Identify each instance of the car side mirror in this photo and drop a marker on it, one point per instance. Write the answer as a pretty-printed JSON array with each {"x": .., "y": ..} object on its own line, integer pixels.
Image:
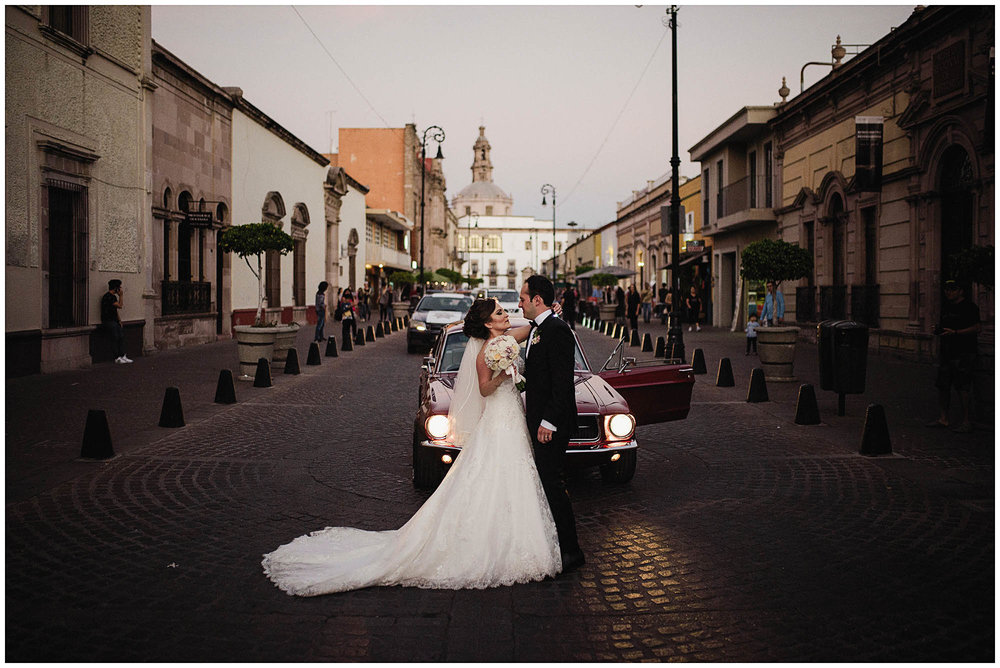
[
  {"x": 626, "y": 363},
  {"x": 428, "y": 363}
]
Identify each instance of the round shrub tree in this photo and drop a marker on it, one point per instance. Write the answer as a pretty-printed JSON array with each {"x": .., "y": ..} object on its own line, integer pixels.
[
  {"x": 774, "y": 260},
  {"x": 253, "y": 240}
]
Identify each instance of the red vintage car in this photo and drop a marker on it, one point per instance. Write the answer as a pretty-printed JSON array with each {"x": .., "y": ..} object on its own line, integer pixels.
[{"x": 610, "y": 403}]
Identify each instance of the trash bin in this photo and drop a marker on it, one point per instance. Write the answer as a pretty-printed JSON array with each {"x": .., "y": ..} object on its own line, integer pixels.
[
  {"x": 827, "y": 353},
  {"x": 850, "y": 343}
]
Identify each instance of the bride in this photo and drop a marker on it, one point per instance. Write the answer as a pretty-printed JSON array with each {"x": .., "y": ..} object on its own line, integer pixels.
[{"x": 487, "y": 524}]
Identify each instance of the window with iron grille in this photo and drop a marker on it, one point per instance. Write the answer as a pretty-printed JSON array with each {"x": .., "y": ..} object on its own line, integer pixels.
[{"x": 67, "y": 254}]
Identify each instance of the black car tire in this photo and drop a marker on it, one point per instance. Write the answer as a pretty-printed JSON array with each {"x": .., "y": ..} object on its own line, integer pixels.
[
  {"x": 426, "y": 470},
  {"x": 622, "y": 471}
]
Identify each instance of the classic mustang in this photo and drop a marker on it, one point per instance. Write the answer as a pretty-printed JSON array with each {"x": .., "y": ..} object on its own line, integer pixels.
[{"x": 610, "y": 404}]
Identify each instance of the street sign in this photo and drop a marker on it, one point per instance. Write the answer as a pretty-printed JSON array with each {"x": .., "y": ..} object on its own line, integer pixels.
[{"x": 199, "y": 218}]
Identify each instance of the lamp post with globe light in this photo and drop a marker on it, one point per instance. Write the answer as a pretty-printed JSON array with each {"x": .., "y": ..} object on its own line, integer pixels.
[
  {"x": 675, "y": 335},
  {"x": 437, "y": 136}
]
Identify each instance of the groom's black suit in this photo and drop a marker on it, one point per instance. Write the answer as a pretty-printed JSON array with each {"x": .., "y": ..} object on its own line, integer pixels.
[{"x": 550, "y": 395}]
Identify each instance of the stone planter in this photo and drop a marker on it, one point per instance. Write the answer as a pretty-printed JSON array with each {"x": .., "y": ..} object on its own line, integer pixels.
[
  {"x": 252, "y": 343},
  {"x": 607, "y": 312},
  {"x": 776, "y": 348},
  {"x": 284, "y": 339},
  {"x": 400, "y": 309}
]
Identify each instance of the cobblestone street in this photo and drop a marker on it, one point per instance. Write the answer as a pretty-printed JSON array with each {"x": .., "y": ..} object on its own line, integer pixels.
[{"x": 743, "y": 537}]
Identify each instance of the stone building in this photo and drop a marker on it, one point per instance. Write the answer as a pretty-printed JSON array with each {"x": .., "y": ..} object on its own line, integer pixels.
[
  {"x": 78, "y": 120},
  {"x": 192, "y": 201},
  {"x": 482, "y": 196},
  {"x": 737, "y": 207},
  {"x": 886, "y": 168}
]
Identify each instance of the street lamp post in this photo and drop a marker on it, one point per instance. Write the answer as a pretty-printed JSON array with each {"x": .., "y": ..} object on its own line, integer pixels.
[
  {"x": 468, "y": 239},
  {"x": 546, "y": 190},
  {"x": 437, "y": 136},
  {"x": 675, "y": 334}
]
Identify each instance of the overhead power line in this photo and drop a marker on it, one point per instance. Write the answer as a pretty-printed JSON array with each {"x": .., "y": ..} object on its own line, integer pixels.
[
  {"x": 619, "y": 117},
  {"x": 342, "y": 70}
]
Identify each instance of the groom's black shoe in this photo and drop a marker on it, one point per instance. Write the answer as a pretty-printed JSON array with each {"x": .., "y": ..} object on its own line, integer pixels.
[{"x": 572, "y": 561}]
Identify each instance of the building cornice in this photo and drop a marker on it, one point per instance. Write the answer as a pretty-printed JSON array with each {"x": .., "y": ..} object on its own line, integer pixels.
[{"x": 265, "y": 121}]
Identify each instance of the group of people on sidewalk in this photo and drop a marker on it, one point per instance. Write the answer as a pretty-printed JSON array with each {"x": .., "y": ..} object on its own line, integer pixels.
[
  {"x": 351, "y": 307},
  {"x": 648, "y": 303}
]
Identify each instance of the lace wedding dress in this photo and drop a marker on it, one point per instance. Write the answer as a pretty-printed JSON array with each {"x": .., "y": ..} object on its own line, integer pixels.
[{"x": 487, "y": 524}]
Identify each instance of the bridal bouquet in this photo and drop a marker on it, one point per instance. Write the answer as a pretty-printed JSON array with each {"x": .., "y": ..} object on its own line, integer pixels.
[{"x": 500, "y": 354}]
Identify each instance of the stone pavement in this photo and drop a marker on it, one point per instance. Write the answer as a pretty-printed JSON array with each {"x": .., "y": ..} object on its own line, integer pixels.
[{"x": 743, "y": 537}]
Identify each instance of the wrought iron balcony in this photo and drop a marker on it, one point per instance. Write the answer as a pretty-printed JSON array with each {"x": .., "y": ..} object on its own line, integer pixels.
[
  {"x": 186, "y": 297},
  {"x": 747, "y": 193}
]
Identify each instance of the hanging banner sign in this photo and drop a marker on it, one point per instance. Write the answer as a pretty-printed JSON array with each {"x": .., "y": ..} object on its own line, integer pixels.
[{"x": 868, "y": 153}]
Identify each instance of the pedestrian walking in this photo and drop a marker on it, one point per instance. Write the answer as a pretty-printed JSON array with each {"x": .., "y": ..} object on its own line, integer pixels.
[
  {"x": 647, "y": 302},
  {"x": 385, "y": 304},
  {"x": 693, "y": 305},
  {"x": 751, "y": 329},
  {"x": 957, "y": 333},
  {"x": 774, "y": 306},
  {"x": 345, "y": 309},
  {"x": 633, "y": 300},
  {"x": 321, "y": 311},
  {"x": 111, "y": 319},
  {"x": 362, "y": 302},
  {"x": 620, "y": 305}
]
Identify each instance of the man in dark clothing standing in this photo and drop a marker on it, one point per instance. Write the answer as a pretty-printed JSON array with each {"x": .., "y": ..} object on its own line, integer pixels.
[
  {"x": 569, "y": 300},
  {"x": 958, "y": 331},
  {"x": 111, "y": 304}
]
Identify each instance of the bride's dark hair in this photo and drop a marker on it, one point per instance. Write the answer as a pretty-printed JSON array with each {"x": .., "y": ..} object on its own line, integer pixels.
[{"x": 477, "y": 317}]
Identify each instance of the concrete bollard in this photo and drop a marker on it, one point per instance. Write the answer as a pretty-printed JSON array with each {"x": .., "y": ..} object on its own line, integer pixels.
[
  {"x": 806, "y": 408},
  {"x": 331, "y": 347},
  {"x": 225, "y": 389},
  {"x": 677, "y": 352},
  {"x": 348, "y": 344},
  {"x": 875, "y": 437},
  {"x": 725, "y": 376},
  {"x": 698, "y": 362},
  {"x": 757, "y": 392},
  {"x": 359, "y": 338},
  {"x": 171, "y": 414},
  {"x": 661, "y": 347},
  {"x": 97, "y": 437},
  {"x": 292, "y": 362},
  {"x": 634, "y": 341},
  {"x": 263, "y": 376},
  {"x": 313, "y": 359},
  {"x": 647, "y": 343},
  {"x": 370, "y": 334}
]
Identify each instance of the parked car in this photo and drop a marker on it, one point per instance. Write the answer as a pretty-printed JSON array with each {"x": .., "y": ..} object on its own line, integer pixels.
[
  {"x": 508, "y": 299},
  {"x": 431, "y": 314},
  {"x": 610, "y": 404}
]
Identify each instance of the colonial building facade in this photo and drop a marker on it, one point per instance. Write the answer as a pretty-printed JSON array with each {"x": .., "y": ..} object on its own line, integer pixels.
[{"x": 77, "y": 201}]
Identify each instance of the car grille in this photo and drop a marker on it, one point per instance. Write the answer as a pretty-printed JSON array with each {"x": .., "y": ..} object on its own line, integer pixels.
[{"x": 587, "y": 428}]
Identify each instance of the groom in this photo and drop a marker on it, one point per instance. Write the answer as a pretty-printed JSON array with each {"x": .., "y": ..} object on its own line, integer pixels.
[{"x": 550, "y": 399}]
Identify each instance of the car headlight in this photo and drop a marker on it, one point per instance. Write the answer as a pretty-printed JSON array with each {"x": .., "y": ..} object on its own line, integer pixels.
[
  {"x": 620, "y": 425},
  {"x": 419, "y": 326},
  {"x": 436, "y": 426}
]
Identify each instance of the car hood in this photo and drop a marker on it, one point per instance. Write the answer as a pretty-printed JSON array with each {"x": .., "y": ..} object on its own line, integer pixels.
[
  {"x": 440, "y": 317},
  {"x": 593, "y": 394}
]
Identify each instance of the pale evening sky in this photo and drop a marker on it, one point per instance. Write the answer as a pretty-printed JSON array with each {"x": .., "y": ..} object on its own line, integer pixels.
[{"x": 548, "y": 82}]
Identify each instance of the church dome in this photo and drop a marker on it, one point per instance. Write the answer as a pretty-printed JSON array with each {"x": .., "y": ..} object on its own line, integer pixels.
[{"x": 482, "y": 190}]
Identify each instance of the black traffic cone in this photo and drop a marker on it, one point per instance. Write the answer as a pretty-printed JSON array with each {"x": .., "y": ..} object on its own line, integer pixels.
[
  {"x": 806, "y": 409},
  {"x": 647, "y": 343},
  {"x": 313, "y": 359},
  {"x": 292, "y": 362},
  {"x": 263, "y": 376},
  {"x": 379, "y": 334},
  {"x": 698, "y": 362},
  {"x": 661, "y": 347},
  {"x": 225, "y": 390},
  {"x": 875, "y": 437},
  {"x": 370, "y": 334},
  {"x": 331, "y": 347},
  {"x": 757, "y": 391},
  {"x": 359, "y": 337},
  {"x": 725, "y": 375},
  {"x": 348, "y": 343},
  {"x": 97, "y": 437},
  {"x": 634, "y": 341},
  {"x": 171, "y": 414}
]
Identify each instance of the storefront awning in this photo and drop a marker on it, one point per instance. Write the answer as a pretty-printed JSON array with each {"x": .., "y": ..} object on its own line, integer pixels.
[
  {"x": 614, "y": 270},
  {"x": 389, "y": 218},
  {"x": 693, "y": 258}
]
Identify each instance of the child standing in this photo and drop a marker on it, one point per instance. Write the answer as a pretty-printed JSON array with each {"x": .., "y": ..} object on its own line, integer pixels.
[{"x": 752, "y": 326}]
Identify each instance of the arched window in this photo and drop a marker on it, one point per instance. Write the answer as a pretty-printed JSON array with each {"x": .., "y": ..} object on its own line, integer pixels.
[
  {"x": 272, "y": 211},
  {"x": 300, "y": 219},
  {"x": 493, "y": 243},
  {"x": 184, "y": 233}
]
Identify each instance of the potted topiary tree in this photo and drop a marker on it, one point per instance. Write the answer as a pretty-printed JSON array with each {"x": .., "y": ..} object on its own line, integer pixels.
[
  {"x": 605, "y": 311},
  {"x": 773, "y": 260},
  {"x": 399, "y": 279},
  {"x": 454, "y": 277},
  {"x": 258, "y": 340}
]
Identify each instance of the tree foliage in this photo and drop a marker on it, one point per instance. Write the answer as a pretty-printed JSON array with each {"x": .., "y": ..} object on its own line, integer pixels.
[
  {"x": 603, "y": 280},
  {"x": 255, "y": 239},
  {"x": 454, "y": 277},
  {"x": 972, "y": 265},
  {"x": 774, "y": 260},
  {"x": 402, "y": 278}
]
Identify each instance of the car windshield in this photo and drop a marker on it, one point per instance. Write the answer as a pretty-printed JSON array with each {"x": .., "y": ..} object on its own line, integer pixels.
[
  {"x": 505, "y": 296},
  {"x": 454, "y": 348},
  {"x": 445, "y": 303}
]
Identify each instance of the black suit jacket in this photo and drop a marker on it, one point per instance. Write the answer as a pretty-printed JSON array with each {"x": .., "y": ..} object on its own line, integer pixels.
[{"x": 550, "y": 393}]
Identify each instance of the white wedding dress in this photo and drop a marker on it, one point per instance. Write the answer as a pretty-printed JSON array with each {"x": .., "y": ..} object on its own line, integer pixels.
[{"x": 487, "y": 524}]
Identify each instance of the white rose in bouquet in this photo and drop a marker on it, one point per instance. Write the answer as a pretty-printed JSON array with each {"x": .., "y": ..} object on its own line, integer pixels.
[{"x": 500, "y": 353}]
